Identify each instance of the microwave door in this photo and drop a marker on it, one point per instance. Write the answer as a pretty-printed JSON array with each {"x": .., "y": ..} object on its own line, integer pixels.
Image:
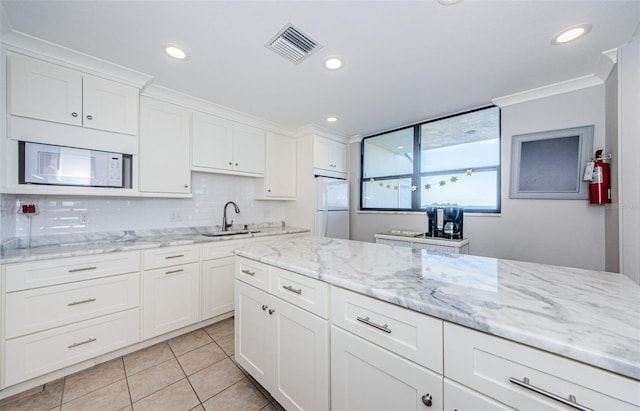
[{"x": 77, "y": 167}]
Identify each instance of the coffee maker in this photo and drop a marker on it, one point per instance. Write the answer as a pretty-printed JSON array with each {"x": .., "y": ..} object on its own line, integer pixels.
[{"x": 445, "y": 222}]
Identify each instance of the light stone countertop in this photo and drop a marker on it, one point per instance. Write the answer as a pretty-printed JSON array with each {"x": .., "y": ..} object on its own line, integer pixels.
[
  {"x": 101, "y": 243},
  {"x": 588, "y": 316}
]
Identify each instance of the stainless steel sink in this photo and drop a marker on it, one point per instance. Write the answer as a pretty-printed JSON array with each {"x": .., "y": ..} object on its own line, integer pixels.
[{"x": 228, "y": 233}]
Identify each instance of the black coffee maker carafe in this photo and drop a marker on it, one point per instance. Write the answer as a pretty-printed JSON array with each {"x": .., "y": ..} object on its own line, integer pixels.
[{"x": 445, "y": 222}]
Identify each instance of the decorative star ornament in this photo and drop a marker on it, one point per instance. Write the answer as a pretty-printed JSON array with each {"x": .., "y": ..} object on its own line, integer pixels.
[
  {"x": 469, "y": 171},
  {"x": 414, "y": 188},
  {"x": 427, "y": 186},
  {"x": 395, "y": 187},
  {"x": 442, "y": 183},
  {"x": 454, "y": 179},
  {"x": 371, "y": 180},
  {"x": 381, "y": 184}
]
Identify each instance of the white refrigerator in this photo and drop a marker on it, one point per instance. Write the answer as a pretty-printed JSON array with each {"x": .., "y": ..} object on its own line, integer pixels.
[{"x": 332, "y": 208}]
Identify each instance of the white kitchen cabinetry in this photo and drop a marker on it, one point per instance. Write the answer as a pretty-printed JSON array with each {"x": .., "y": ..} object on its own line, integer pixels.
[
  {"x": 217, "y": 272},
  {"x": 49, "y": 92},
  {"x": 525, "y": 378},
  {"x": 283, "y": 346},
  {"x": 367, "y": 377},
  {"x": 279, "y": 182},
  {"x": 61, "y": 312},
  {"x": 224, "y": 146},
  {"x": 329, "y": 155},
  {"x": 164, "y": 148},
  {"x": 170, "y": 289},
  {"x": 460, "y": 398}
]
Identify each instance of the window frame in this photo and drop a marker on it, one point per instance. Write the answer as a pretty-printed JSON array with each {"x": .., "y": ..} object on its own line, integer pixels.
[{"x": 416, "y": 175}]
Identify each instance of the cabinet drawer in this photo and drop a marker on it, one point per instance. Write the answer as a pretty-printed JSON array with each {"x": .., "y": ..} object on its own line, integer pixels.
[
  {"x": 25, "y": 276},
  {"x": 37, "y": 354},
  {"x": 253, "y": 272},
  {"x": 487, "y": 364},
  {"x": 166, "y": 257},
  {"x": 43, "y": 308},
  {"x": 220, "y": 249},
  {"x": 412, "y": 335},
  {"x": 305, "y": 292},
  {"x": 460, "y": 398}
]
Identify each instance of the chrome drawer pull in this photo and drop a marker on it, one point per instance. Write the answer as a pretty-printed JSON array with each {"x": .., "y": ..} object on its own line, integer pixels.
[
  {"x": 179, "y": 270},
  {"x": 571, "y": 402},
  {"x": 90, "y": 300},
  {"x": 77, "y": 270},
  {"x": 173, "y": 256},
  {"x": 246, "y": 271},
  {"x": 90, "y": 340},
  {"x": 293, "y": 290},
  {"x": 365, "y": 320}
]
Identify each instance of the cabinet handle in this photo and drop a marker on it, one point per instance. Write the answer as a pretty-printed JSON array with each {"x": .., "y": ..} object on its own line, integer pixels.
[
  {"x": 230, "y": 163},
  {"x": 236, "y": 164},
  {"x": 89, "y": 300},
  {"x": 246, "y": 271},
  {"x": 571, "y": 402},
  {"x": 173, "y": 256},
  {"x": 264, "y": 307},
  {"x": 365, "y": 320},
  {"x": 89, "y": 117},
  {"x": 186, "y": 186},
  {"x": 293, "y": 290},
  {"x": 90, "y": 340},
  {"x": 427, "y": 400},
  {"x": 74, "y": 114},
  {"x": 77, "y": 270},
  {"x": 271, "y": 311},
  {"x": 179, "y": 270}
]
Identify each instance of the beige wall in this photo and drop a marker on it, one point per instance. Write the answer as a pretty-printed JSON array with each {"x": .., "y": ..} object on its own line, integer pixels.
[{"x": 559, "y": 232}]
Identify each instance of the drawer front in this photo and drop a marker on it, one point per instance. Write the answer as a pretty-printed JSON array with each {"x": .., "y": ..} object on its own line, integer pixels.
[
  {"x": 253, "y": 272},
  {"x": 307, "y": 293},
  {"x": 170, "y": 256},
  {"x": 488, "y": 364},
  {"x": 25, "y": 276},
  {"x": 220, "y": 249},
  {"x": 460, "y": 398},
  {"x": 37, "y": 354},
  {"x": 44, "y": 308},
  {"x": 412, "y": 335}
]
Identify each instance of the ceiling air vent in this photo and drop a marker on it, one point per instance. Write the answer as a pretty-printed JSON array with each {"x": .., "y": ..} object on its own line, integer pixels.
[{"x": 293, "y": 44}]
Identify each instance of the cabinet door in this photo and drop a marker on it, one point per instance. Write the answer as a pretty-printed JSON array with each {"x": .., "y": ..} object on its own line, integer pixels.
[
  {"x": 212, "y": 142},
  {"x": 280, "y": 167},
  {"x": 252, "y": 336},
  {"x": 170, "y": 299},
  {"x": 216, "y": 290},
  {"x": 109, "y": 106},
  {"x": 367, "y": 377},
  {"x": 301, "y": 344},
  {"x": 164, "y": 148},
  {"x": 460, "y": 398},
  {"x": 321, "y": 150},
  {"x": 338, "y": 156},
  {"x": 248, "y": 149},
  {"x": 44, "y": 91}
]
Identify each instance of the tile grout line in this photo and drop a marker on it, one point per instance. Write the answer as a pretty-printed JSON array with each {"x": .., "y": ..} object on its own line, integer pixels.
[
  {"x": 126, "y": 379},
  {"x": 185, "y": 373}
]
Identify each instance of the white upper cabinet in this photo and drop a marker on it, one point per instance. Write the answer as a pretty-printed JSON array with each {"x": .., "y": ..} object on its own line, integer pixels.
[
  {"x": 164, "y": 148},
  {"x": 279, "y": 182},
  {"x": 329, "y": 155},
  {"x": 224, "y": 146},
  {"x": 49, "y": 92}
]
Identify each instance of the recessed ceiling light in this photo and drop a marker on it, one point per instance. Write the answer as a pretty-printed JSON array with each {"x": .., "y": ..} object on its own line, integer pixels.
[
  {"x": 176, "y": 52},
  {"x": 448, "y": 2},
  {"x": 399, "y": 147},
  {"x": 333, "y": 63},
  {"x": 332, "y": 119},
  {"x": 571, "y": 33}
]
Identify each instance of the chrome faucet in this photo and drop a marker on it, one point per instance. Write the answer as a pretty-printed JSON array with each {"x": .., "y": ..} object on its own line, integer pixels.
[{"x": 226, "y": 226}]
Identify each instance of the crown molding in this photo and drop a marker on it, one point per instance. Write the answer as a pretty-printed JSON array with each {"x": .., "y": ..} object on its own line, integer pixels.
[
  {"x": 317, "y": 130},
  {"x": 548, "y": 91},
  {"x": 21, "y": 43}
]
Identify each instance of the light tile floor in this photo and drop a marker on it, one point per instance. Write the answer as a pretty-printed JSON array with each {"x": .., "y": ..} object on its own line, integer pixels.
[{"x": 195, "y": 371}]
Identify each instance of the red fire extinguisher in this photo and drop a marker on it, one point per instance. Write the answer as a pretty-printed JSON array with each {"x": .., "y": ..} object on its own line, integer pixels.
[{"x": 599, "y": 188}]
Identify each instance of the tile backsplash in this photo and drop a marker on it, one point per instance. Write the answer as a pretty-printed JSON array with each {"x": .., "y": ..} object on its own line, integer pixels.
[{"x": 78, "y": 214}]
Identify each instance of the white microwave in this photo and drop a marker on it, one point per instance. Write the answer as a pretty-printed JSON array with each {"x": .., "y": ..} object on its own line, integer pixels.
[{"x": 69, "y": 166}]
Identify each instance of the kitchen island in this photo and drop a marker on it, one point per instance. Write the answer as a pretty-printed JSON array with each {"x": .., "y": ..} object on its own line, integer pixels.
[{"x": 587, "y": 316}]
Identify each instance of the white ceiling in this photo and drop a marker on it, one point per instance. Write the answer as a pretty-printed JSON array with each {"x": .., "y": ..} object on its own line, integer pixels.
[{"x": 405, "y": 61}]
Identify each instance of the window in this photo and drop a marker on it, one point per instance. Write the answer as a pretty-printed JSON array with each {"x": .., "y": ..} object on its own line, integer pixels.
[{"x": 449, "y": 161}]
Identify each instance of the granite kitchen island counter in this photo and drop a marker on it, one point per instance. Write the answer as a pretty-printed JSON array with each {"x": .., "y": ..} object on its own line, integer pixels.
[{"x": 588, "y": 316}]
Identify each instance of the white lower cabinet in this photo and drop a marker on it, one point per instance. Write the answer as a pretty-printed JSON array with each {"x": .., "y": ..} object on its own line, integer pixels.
[
  {"x": 365, "y": 376},
  {"x": 460, "y": 398},
  {"x": 285, "y": 348}
]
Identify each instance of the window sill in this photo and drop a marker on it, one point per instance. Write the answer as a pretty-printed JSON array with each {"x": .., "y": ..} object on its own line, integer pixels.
[{"x": 466, "y": 215}]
